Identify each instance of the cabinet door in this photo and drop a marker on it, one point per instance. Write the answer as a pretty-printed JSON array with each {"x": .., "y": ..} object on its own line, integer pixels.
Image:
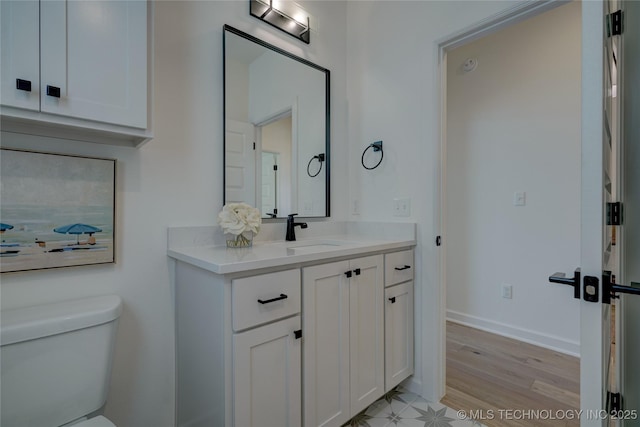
[
  {"x": 326, "y": 344},
  {"x": 267, "y": 376},
  {"x": 398, "y": 334},
  {"x": 366, "y": 325},
  {"x": 20, "y": 54},
  {"x": 95, "y": 52}
]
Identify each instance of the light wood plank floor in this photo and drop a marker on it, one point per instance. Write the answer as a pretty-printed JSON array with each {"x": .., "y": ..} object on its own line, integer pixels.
[{"x": 489, "y": 372}]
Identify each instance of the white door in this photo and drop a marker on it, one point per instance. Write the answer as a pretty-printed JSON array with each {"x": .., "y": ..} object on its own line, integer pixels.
[
  {"x": 366, "y": 331},
  {"x": 240, "y": 163},
  {"x": 600, "y": 130},
  {"x": 398, "y": 320},
  {"x": 269, "y": 183},
  {"x": 95, "y": 54},
  {"x": 20, "y": 54},
  {"x": 326, "y": 344},
  {"x": 267, "y": 376}
]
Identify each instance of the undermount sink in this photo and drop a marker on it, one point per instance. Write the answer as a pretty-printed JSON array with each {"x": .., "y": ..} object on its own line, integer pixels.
[{"x": 313, "y": 246}]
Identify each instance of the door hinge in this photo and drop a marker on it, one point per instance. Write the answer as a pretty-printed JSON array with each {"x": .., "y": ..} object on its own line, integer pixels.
[
  {"x": 614, "y": 23},
  {"x": 614, "y": 213},
  {"x": 614, "y": 402}
]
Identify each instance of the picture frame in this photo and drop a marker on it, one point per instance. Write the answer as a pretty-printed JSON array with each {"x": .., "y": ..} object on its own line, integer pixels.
[{"x": 56, "y": 210}]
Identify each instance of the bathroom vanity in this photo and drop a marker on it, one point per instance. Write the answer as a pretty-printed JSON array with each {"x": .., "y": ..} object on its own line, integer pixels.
[{"x": 307, "y": 333}]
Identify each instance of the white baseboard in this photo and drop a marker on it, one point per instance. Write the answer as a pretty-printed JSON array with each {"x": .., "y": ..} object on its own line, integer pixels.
[{"x": 551, "y": 342}]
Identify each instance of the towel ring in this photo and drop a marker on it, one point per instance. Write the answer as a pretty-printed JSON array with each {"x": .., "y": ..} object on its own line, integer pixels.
[
  {"x": 377, "y": 146},
  {"x": 320, "y": 158}
]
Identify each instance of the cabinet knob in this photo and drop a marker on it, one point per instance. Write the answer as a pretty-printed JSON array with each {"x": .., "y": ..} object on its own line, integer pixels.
[
  {"x": 297, "y": 334},
  {"x": 348, "y": 273},
  {"x": 53, "y": 91},
  {"x": 393, "y": 300},
  {"x": 357, "y": 271},
  {"x": 24, "y": 85}
]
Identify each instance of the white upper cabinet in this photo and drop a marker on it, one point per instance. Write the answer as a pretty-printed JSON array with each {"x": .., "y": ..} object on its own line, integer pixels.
[
  {"x": 20, "y": 56},
  {"x": 87, "y": 62}
]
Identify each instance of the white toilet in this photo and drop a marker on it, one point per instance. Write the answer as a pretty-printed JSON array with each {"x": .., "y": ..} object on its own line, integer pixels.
[{"x": 56, "y": 362}]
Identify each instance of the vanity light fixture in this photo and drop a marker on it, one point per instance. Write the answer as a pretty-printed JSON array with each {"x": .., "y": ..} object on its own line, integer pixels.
[{"x": 284, "y": 15}]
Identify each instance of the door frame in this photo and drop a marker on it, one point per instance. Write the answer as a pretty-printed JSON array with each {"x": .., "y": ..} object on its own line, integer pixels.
[{"x": 511, "y": 16}]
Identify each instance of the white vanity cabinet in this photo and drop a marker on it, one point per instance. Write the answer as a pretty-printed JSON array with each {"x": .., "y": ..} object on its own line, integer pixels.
[
  {"x": 75, "y": 68},
  {"x": 290, "y": 339},
  {"x": 238, "y": 348},
  {"x": 398, "y": 317},
  {"x": 344, "y": 339}
]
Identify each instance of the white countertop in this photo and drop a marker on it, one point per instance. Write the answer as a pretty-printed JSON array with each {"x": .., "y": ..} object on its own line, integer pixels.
[{"x": 219, "y": 259}]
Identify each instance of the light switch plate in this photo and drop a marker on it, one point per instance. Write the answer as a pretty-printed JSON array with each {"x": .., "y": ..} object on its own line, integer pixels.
[{"x": 402, "y": 207}]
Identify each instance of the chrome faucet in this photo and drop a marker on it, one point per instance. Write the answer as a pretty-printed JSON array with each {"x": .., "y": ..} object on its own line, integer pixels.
[{"x": 291, "y": 228}]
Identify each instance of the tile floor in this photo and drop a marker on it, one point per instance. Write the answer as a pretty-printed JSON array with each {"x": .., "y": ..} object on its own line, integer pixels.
[{"x": 402, "y": 408}]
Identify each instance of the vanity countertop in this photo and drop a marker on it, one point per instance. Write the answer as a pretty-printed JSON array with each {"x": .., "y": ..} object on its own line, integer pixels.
[{"x": 219, "y": 259}]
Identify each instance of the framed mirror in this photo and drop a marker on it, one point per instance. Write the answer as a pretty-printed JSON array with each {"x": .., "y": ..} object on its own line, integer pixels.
[{"x": 276, "y": 136}]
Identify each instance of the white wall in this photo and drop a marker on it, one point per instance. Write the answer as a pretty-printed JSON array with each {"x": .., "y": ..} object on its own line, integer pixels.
[
  {"x": 513, "y": 125},
  {"x": 393, "y": 95},
  {"x": 174, "y": 180},
  {"x": 237, "y": 77}
]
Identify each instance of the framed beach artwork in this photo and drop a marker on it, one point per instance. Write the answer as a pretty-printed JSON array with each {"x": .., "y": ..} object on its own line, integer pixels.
[{"x": 55, "y": 210}]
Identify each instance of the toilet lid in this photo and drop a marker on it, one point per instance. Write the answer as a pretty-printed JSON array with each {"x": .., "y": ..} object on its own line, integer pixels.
[{"x": 98, "y": 421}]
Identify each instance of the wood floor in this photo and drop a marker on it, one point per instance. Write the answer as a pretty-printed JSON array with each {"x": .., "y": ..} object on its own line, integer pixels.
[{"x": 491, "y": 373}]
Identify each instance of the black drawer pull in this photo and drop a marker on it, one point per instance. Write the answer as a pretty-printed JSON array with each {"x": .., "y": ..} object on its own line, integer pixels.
[
  {"x": 357, "y": 271},
  {"x": 24, "y": 85},
  {"x": 53, "y": 91},
  {"x": 281, "y": 297},
  {"x": 393, "y": 300},
  {"x": 403, "y": 268}
]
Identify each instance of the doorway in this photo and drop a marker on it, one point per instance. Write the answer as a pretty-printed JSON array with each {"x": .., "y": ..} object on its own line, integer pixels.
[
  {"x": 511, "y": 172},
  {"x": 276, "y": 148}
]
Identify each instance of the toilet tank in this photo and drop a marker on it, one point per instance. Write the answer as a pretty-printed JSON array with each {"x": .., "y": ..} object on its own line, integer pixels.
[{"x": 55, "y": 360}]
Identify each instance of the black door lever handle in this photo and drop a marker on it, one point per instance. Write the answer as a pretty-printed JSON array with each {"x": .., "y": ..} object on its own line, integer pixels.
[{"x": 571, "y": 281}]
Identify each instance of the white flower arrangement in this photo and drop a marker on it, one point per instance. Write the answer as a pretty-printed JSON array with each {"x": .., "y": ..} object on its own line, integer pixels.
[{"x": 238, "y": 218}]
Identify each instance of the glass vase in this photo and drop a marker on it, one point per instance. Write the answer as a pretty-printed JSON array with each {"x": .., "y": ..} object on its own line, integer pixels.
[{"x": 243, "y": 240}]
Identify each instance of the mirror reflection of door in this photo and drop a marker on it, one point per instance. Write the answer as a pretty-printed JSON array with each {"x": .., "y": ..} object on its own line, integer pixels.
[
  {"x": 269, "y": 184},
  {"x": 276, "y": 147},
  {"x": 240, "y": 162}
]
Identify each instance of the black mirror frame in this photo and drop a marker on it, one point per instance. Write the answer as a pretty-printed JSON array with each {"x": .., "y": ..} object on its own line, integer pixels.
[{"x": 327, "y": 157}]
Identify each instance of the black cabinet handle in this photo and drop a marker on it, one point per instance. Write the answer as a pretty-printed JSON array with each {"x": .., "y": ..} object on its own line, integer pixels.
[
  {"x": 53, "y": 91},
  {"x": 24, "y": 85},
  {"x": 403, "y": 268},
  {"x": 348, "y": 274},
  {"x": 357, "y": 271},
  {"x": 393, "y": 300},
  {"x": 297, "y": 334},
  {"x": 281, "y": 297}
]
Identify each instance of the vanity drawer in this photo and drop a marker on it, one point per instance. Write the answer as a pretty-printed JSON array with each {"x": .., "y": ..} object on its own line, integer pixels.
[
  {"x": 398, "y": 267},
  {"x": 264, "y": 298}
]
